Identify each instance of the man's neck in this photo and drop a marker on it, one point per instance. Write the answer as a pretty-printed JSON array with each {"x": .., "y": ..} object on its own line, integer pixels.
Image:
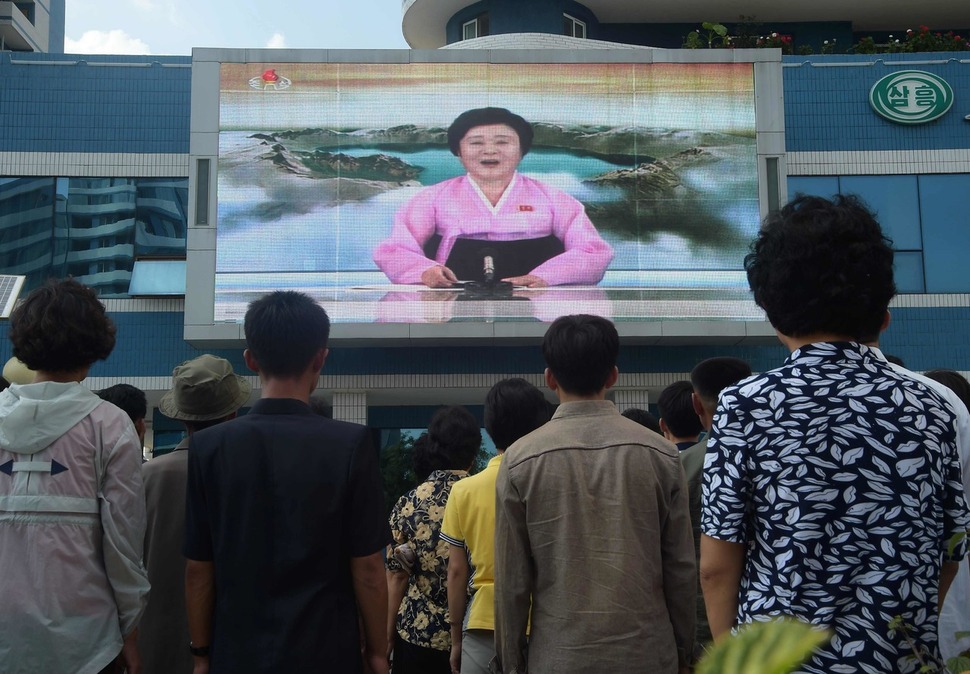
[
  {"x": 795, "y": 343},
  {"x": 64, "y": 377},
  {"x": 568, "y": 397},
  {"x": 297, "y": 389}
]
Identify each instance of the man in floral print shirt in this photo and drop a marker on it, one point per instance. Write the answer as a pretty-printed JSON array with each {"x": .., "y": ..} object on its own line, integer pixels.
[{"x": 832, "y": 484}]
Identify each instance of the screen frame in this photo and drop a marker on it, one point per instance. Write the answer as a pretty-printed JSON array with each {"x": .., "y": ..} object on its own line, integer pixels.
[{"x": 202, "y": 331}]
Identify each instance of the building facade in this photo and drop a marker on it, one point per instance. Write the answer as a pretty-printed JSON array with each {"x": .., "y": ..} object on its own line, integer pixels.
[
  {"x": 94, "y": 174},
  {"x": 431, "y": 24},
  {"x": 32, "y": 26}
]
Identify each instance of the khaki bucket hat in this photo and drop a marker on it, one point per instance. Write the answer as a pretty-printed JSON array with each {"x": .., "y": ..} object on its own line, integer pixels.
[{"x": 203, "y": 389}]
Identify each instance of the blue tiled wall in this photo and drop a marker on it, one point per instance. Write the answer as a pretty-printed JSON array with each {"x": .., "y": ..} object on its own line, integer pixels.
[
  {"x": 68, "y": 103},
  {"x": 150, "y": 344},
  {"x": 827, "y": 108}
]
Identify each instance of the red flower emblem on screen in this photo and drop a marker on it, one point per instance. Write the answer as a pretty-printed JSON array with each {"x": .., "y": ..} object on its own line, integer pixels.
[
  {"x": 525, "y": 207},
  {"x": 270, "y": 80}
]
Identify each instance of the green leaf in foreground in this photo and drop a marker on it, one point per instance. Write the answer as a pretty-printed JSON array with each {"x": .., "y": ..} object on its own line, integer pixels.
[
  {"x": 958, "y": 664},
  {"x": 775, "y": 647}
]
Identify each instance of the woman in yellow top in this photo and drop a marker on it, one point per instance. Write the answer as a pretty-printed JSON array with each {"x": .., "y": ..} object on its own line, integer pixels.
[{"x": 513, "y": 408}]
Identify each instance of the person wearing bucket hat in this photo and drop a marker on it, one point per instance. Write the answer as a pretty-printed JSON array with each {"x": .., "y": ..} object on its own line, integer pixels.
[
  {"x": 205, "y": 392},
  {"x": 285, "y": 524},
  {"x": 533, "y": 234}
]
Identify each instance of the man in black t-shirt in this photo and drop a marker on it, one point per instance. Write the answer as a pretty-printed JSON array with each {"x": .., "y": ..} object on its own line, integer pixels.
[{"x": 284, "y": 519}]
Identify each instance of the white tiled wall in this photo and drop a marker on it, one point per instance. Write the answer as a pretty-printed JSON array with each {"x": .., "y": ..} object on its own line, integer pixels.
[
  {"x": 350, "y": 406},
  {"x": 887, "y": 162}
]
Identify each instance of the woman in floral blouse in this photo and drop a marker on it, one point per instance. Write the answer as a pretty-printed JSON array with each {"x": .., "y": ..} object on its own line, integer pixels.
[{"x": 417, "y": 567}]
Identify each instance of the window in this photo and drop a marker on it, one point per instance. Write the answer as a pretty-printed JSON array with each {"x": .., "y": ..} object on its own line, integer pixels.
[
  {"x": 157, "y": 277},
  {"x": 27, "y": 9},
  {"x": 477, "y": 27},
  {"x": 91, "y": 228},
  {"x": 573, "y": 27}
]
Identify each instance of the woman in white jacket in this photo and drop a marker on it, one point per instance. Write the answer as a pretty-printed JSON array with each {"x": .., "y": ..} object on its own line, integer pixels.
[{"x": 72, "y": 508}]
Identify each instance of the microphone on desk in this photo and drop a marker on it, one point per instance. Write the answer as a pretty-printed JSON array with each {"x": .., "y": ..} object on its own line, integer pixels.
[
  {"x": 490, "y": 287},
  {"x": 488, "y": 265}
]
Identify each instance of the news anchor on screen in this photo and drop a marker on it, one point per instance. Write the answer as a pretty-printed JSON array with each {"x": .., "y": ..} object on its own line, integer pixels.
[{"x": 493, "y": 218}]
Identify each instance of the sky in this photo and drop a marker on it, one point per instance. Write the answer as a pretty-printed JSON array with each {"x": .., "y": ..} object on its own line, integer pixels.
[{"x": 164, "y": 27}]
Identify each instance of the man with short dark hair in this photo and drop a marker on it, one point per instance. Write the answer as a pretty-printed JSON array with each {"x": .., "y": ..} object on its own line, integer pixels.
[
  {"x": 820, "y": 474},
  {"x": 130, "y": 400},
  {"x": 678, "y": 420},
  {"x": 285, "y": 526},
  {"x": 707, "y": 379},
  {"x": 592, "y": 528},
  {"x": 205, "y": 392},
  {"x": 513, "y": 408}
]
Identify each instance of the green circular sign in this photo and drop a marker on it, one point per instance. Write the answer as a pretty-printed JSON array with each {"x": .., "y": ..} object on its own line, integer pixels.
[{"x": 911, "y": 97}]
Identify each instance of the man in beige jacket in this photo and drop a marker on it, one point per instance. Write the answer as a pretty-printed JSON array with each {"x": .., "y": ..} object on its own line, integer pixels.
[
  {"x": 592, "y": 528},
  {"x": 205, "y": 392}
]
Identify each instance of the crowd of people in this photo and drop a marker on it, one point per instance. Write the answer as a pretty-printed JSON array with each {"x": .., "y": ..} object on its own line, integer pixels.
[{"x": 832, "y": 489}]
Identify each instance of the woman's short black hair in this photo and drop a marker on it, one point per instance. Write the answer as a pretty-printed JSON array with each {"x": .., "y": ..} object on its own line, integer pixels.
[
  {"x": 421, "y": 458},
  {"x": 454, "y": 438},
  {"x": 61, "y": 327},
  {"x": 469, "y": 119},
  {"x": 822, "y": 266}
]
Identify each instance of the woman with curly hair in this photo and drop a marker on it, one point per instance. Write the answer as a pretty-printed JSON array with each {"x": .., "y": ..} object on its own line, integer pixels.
[
  {"x": 832, "y": 483},
  {"x": 419, "y": 630},
  {"x": 72, "y": 508}
]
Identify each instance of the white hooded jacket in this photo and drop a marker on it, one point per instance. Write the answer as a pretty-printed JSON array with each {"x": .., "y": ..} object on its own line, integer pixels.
[{"x": 72, "y": 528}]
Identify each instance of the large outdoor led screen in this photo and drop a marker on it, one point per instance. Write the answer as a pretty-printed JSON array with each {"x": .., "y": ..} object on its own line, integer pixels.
[{"x": 436, "y": 192}]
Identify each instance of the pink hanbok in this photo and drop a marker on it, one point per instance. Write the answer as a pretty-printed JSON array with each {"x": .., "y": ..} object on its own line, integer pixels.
[{"x": 528, "y": 209}]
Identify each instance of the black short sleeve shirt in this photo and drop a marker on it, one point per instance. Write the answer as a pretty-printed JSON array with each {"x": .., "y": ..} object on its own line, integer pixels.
[{"x": 279, "y": 501}]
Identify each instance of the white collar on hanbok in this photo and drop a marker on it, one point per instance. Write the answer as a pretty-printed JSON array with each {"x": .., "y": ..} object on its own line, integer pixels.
[{"x": 505, "y": 195}]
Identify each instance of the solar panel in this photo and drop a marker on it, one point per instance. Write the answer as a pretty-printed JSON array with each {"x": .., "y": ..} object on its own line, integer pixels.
[{"x": 10, "y": 287}]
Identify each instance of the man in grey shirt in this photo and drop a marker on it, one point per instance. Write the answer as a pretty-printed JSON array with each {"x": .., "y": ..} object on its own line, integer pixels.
[
  {"x": 592, "y": 528},
  {"x": 708, "y": 379}
]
